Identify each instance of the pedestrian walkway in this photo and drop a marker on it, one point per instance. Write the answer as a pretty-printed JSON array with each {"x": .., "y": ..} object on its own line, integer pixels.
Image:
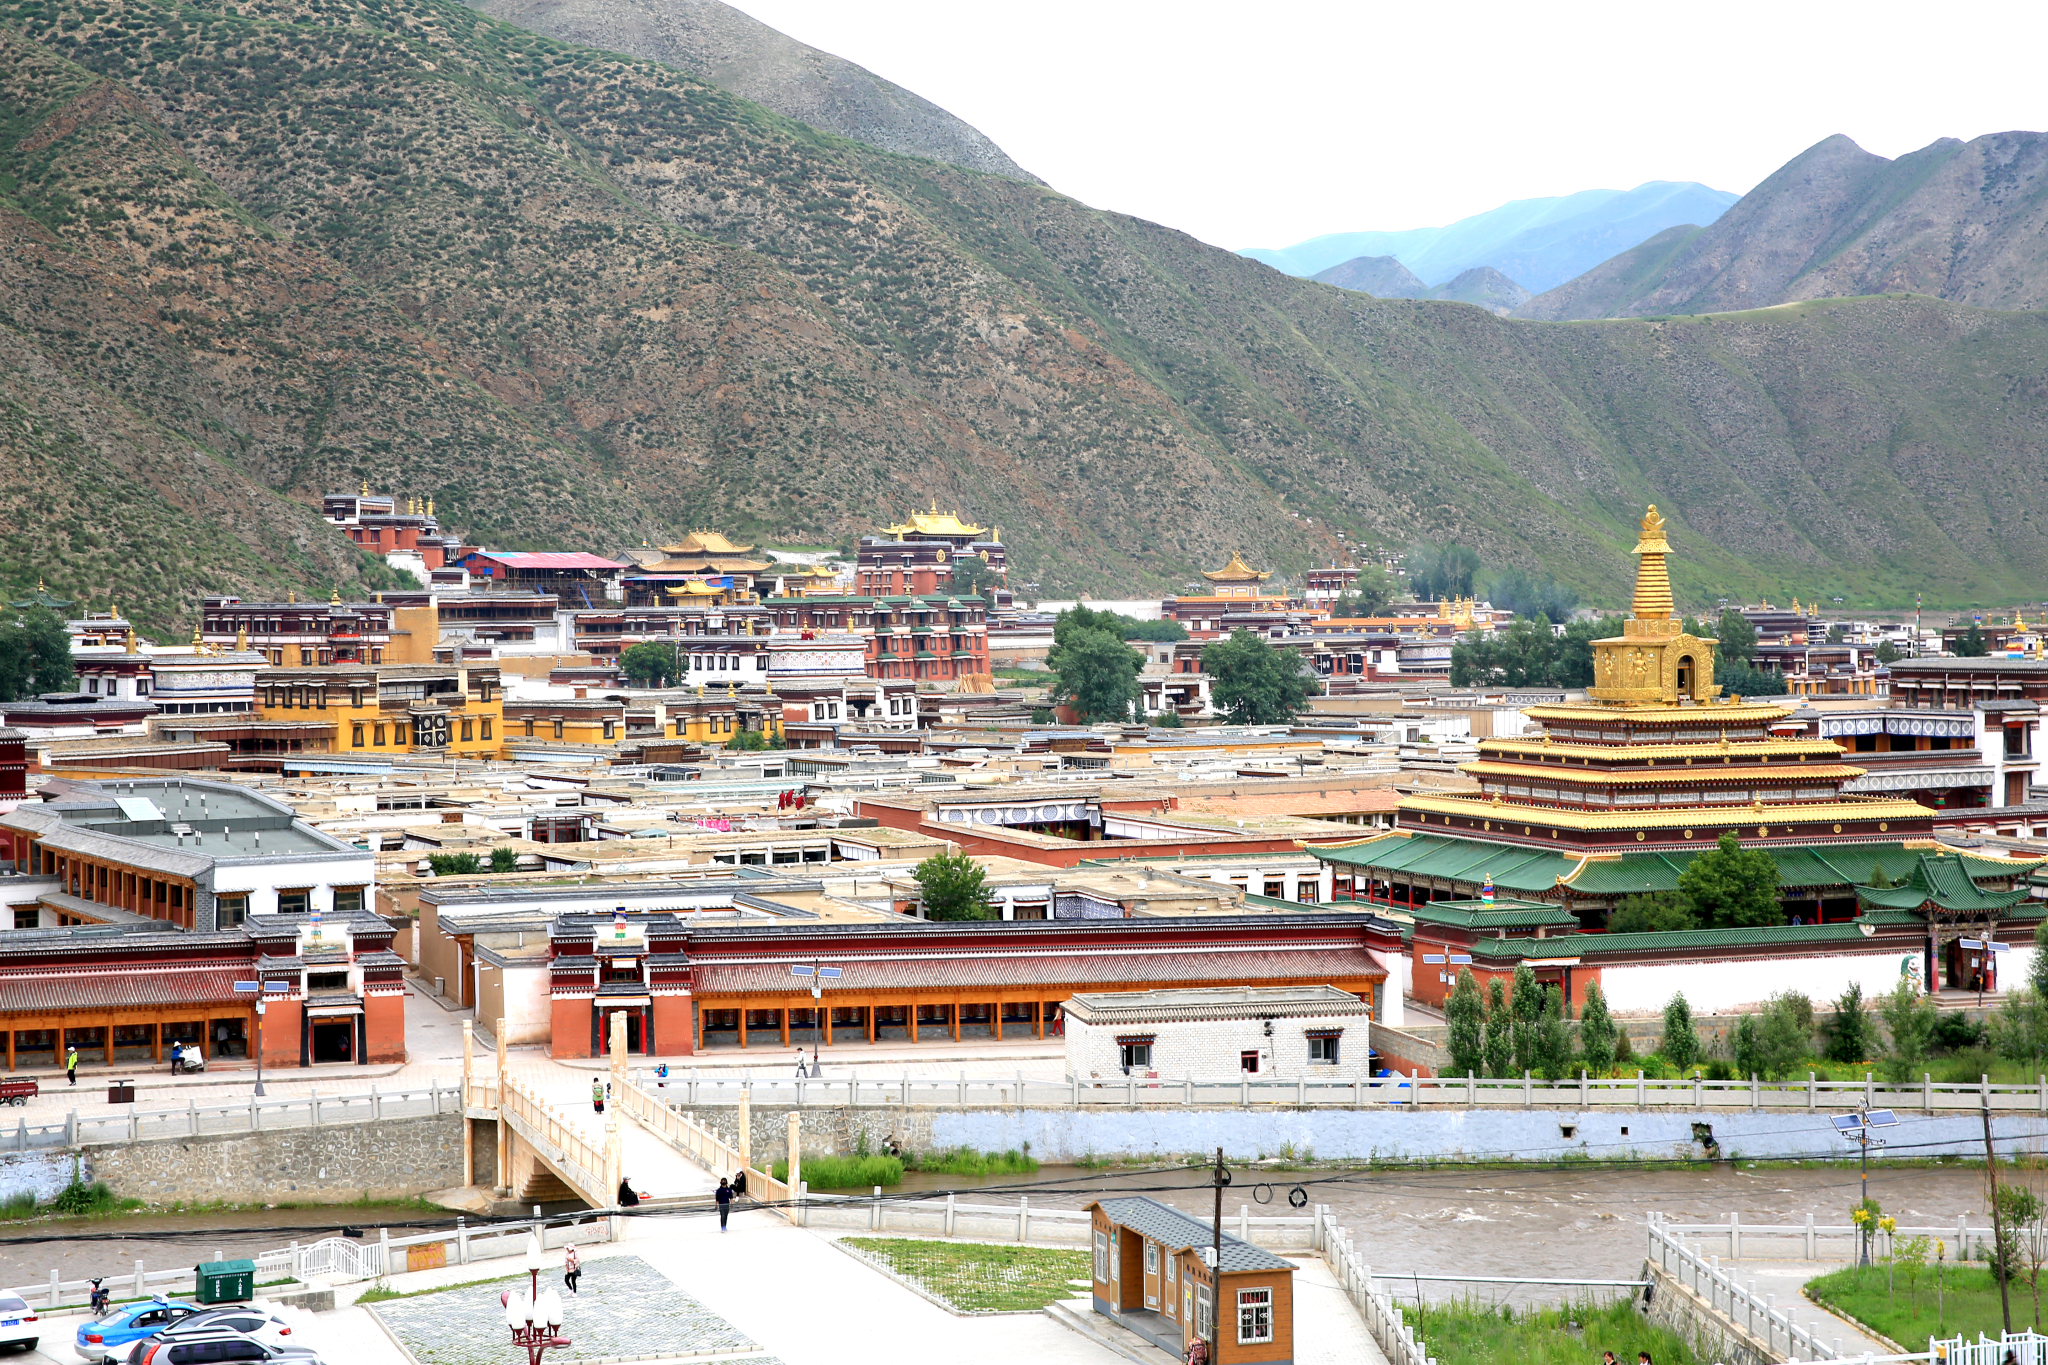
[
  {"x": 654, "y": 1169},
  {"x": 1328, "y": 1328},
  {"x": 1787, "y": 1281}
]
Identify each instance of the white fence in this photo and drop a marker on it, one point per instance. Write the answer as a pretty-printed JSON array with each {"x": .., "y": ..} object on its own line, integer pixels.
[
  {"x": 336, "y": 1260},
  {"x": 1022, "y": 1221},
  {"x": 2027, "y": 1348},
  {"x": 1811, "y": 1241},
  {"x": 126, "y": 1123},
  {"x": 1757, "y": 1314},
  {"x": 1246, "y": 1091},
  {"x": 1383, "y": 1317}
]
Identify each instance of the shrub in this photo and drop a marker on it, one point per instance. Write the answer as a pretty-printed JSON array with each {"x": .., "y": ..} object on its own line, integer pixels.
[
  {"x": 504, "y": 860},
  {"x": 454, "y": 864},
  {"x": 845, "y": 1172},
  {"x": 1681, "y": 1045},
  {"x": 967, "y": 1161},
  {"x": 1597, "y": 1032},
  {"x": 1955, "y": 1033},
  {"x": 1910, "y": 1018},
  {"x": 1849, "y": 1033}
]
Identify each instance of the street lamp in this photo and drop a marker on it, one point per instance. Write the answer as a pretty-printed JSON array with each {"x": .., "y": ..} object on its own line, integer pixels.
[
  {"x": 259, "y": 1045},
  {"x": 818, "y": 976},
  {"x": 536, "y": 1316},
  {"x": 1856, "y": 1128}
]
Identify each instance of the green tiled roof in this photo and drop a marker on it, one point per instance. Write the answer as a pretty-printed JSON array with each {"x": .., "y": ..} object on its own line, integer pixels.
[
  {"x": 1945, "y": 880},
  {"x": 1515, "y": 868},
  {"x": 1592, "y": 945},
  {"x": 1502, "y": 914}
]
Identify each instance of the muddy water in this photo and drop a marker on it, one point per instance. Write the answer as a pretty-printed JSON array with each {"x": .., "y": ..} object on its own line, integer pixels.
[{"x": 78, "y": 1248}]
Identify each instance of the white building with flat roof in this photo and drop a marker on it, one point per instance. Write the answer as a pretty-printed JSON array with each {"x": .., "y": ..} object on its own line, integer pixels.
[{"x": 1219, "y": 1033}]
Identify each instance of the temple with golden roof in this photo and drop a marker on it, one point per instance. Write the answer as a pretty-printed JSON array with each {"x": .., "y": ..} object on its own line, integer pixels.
[
  {"x": 1617, "y": 793},
  {"x": 918, "y": 555}
]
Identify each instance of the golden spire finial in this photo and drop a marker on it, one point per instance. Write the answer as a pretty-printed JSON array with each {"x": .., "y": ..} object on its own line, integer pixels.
[
  {"x": 242, "y": 638},
  {"x": 366, "y": 488},
  {"x": 195, "y": 639},
  {"x": 131, "y": 641},
  {"x": 291, "y": 597},
  {"x": 430, "y": 507},
  {"x": 1652, "y": 599},
  {"x": 334, "y": 597}
]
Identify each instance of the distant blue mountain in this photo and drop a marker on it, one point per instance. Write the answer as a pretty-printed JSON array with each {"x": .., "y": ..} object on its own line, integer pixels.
[{"x": 1537, "y": 243}]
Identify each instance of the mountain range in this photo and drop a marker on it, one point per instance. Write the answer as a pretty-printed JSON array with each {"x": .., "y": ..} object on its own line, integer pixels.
[
  {"x": 1966, "y": 221},
  {"x": 1538, "y": 243},
  {"x": 1384, "y": 277},
  {"x": 740, "y": 53},
  {"x": 255, "y": 254}
]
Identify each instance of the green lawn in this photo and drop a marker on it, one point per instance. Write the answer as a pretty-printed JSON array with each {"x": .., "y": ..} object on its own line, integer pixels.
[
  {"x": 1477, "y": 1334},
  {"x": 1968, "y": 1303},
  {"x": 980, "y": 1277}
]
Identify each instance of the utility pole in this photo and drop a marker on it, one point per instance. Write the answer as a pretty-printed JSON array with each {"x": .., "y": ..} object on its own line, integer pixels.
[
  {"x": 1216, "y": 1268},
  {"x": 1863, "y": 1143},
  {"x": 1998, "y": 1247}
]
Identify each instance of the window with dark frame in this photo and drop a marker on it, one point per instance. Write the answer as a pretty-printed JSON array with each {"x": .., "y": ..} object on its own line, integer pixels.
[
  {"x": 1248, "y": 1062},
  {"x": 1254, "y": 1316}
]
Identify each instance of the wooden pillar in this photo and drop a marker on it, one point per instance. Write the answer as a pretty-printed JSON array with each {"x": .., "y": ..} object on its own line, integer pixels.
[
  {"x": 10, "y": 1050},
  {"x": 1038, "y": 1008},
  {"x": 783, "y": 1014},
  {"x": 107, "y": 1042},
  {"x": 869, "y": 1011},
  {"x": 953, "y": 1009},
  {"x": 910, "y": 1015},
  {"x": 996, "y": 1019},
  {"x": 825, "y": 1020},
  {"x": 156, "y": 1042},
  {"x": 743, "y": 1023}
]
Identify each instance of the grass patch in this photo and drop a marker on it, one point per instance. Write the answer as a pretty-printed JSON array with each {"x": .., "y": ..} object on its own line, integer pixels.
[
  {"x": 1967, "y": 1302},
  {"x": 967, "y": 1161},
  {"x": 845, "y": 1172},
  {"x": 977, "y": 1277},
  {"x": 1480, "y": 1334},
  {"x": 378, "y": 1293}
]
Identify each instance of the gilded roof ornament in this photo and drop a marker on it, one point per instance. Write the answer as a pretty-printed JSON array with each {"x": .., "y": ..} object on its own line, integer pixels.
[{"x": 1653, "y": 580}]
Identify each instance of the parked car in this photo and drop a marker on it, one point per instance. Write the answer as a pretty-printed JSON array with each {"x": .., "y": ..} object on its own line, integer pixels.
[
  {"x": 260, "y": 1324},
  {"x": 17, "y": 1319},
  {"x": 110, "y": 1337},
  {"x": 204, "y": 1348}
]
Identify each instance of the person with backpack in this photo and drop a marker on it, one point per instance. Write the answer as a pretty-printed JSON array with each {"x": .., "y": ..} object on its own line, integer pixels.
[
  {"x": 572, "y": 1268},
  {"x": 597, "y": 1088}
]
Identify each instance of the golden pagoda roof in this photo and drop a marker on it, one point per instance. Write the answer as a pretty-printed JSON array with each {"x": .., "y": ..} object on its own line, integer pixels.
[
  {"x": 934, "y": 523},
  {"x": 1236, "y": 571},
  {"x": 705, "y": 543},
  {"x": 1652, "y": 598},
  {"x": 1721, "y": 711},
  {"x": 1770, "y": 815},
  {"x": 1662, "y": 777},
  {"x": 1695, "y": 750}
]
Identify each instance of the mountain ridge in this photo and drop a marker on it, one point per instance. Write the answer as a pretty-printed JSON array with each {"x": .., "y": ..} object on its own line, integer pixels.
[
  {"x": 571, "y": 296},
  {"x": 1964, "y": 221}
]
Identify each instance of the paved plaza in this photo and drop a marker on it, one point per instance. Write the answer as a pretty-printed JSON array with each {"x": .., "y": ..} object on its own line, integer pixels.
[{"x": 623, "y": 1308}]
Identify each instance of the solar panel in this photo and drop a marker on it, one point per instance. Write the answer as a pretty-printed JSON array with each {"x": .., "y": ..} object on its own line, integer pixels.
[
  {"x": 138, "y": 808},
  {"x": 828, "y": 971},
  {"x": 1881, "y": 1118},
  {"x": 1847, "y": 1123}
]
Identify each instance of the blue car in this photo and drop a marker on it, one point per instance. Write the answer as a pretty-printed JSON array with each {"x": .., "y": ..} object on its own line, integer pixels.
[{"x": 109, "y": 1338}]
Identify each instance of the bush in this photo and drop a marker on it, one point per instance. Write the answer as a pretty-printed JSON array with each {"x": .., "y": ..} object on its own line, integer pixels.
[
  {"x": 1956, "y": 1033},
  {"x": 845, "y": 1172},
  {"x": 967, "y": 1161},
  {"x": 1772, "y": 1042},
  {"x": 79, "y": 1198},
  {"x": 1910, "y": 1019},
  {"x": 1719, "y": 1070},
  {"x": 1651, "y": 912},
  {"x": 504, "y": 860},
  {"x": 1849, "y": 1033},
  {"x": 1681, "y": 1045},
  {"x": 455, "y": 864}
]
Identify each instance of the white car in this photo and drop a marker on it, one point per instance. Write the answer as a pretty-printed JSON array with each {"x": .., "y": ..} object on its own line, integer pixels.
[{"x": 251, "y": 1321}]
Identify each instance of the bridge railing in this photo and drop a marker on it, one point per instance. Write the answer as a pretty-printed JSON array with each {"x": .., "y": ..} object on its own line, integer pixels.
[{"x": 127, "y": 1123}]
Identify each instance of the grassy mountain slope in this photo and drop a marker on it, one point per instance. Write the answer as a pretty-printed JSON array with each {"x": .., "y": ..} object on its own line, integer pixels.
[
  {"x": 572, "y": 296},
  {"x": 1963, "y": 221},
  {"x": 743, "y": 55},
  {"x": 1381, "y": 276}
]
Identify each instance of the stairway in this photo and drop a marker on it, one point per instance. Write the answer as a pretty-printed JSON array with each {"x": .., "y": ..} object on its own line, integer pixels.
[{"x": 1079, "y": 1315}]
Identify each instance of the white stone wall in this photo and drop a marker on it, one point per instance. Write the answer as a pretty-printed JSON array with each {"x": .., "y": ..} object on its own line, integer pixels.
[
  {"x": 1721, "y": 987},
  {"x": 1210, "y": 1049},
  {"x": 261, "y": 880}
]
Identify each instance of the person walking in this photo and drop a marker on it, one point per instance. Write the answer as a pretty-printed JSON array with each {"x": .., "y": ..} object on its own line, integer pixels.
[
  {"x": 71, "y": 1065},
  {"x": 177, "y": 1057},
  {"x": 597, "y": 1094},
  {"x": 801, "y": 1070},
  {"x": 572, "y": 1268},
  {"x": 724, "y": 1198},
  {"x": 1607, "y": 1358}
]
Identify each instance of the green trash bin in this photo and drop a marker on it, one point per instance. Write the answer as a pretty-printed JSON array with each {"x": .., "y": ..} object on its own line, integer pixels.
[{"x": 225, "y": 1281}]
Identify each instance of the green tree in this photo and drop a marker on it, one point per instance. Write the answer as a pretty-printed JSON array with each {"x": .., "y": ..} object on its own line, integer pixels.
[
  {"x": 1371, "y": 594},
  {"x": 1651, "y": 911},
  {"x": 755, "y": 741},
  {"x": 1532, "y": 595},
  {"x": 1500, "y": 1043},
  {"x": 1681, "y": 1044},
  {"x": 2019, "y": 1030},
  {"x": 504, "y": 860},
  {"x": 455, "y": 864},
  {"x": 1736, "y": 636},
  {"x": 1740, "y": 680},
  {"x": 1878, "y": 880},
  {"x": 953, "y": 886},
  {"x": 1888, "y": 653},
  {"x": 1597, "y": 1032},
  {"x": 1731, "y": 887},
  {"x": 1528, "y": 1007},
  {"x": 1530, "y": 654},
  {"x": 1465, "y": 1027},
  {"x": 1836, "y": 634},
  {"x": 653, "y": 664},
  {"x": 35, "y": 655},
  {"x": 1909, "y": 1019},
  {"x": 1850, "y": 1037},
  {"x": 1438, "y": 571},
  {"x": 1787, "y": 1033},
  {"x": 1094, "y": 671},
  {"x": 1254, "y": 683},
  {"x": 1747, "y": 1045},
  {"x": 2037, "y": 971},
  {"x": 972, "y": 577},
  {"x": 1168, "y": 720},
  {"x": 1553, "y": 1039},
  {"x": 1971, "y": 644}
]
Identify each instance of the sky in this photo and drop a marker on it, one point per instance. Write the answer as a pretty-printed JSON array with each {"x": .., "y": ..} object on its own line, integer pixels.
[{"x": 1263, "y": 125}]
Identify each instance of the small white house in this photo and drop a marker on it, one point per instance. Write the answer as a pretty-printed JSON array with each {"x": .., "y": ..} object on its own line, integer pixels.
[{"x": 1219, "y": 1033}]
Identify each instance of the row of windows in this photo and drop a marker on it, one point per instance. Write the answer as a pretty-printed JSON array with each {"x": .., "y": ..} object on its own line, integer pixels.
[
  {"x": 1322, "y": 1051},
  {"x": 470, "y": 731}
]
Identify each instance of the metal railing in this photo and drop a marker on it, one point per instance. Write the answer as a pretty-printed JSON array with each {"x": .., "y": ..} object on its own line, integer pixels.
[
  {"x": 252, "y": 1115},
  {"x": 1022, "y": 1221},
  {"x": 336, "y": 1260},
  {"x": 1146, "y": 1089}
]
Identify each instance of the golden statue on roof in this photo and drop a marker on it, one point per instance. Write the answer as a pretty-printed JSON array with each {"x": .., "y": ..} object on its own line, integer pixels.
[
  {"x": 1236, "y": 571},
  {"x": 934, "y": 523},
  {"x": 1653, "y": 662}
]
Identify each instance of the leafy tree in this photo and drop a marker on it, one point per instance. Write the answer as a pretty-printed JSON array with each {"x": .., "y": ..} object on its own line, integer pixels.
[
  {"x": 1737, "y": 636},
  {"x": 1837, "y": 635},
  {"x": 1553, "y": 1039},
  {"x": 1878, "y": 880},
  {"x": 1079, "y": 618},
  {"x": 1499, "y": 1044},
  {"x": 454, "y": 864},
  {"x": 35, "y": 655},
  {"x": 1909, "y": 1019},
  {"x": 1528, "y": 1007},
  {"x": 1529, "y": 654},
  {"x": 653, "y": 664},
  {"x": 1850, "y": 1037},
  {"x": 1094, "y": 670},
  {"x": 1439, "y": 571},
  {"x": 1651, "y": 911},
  {"x": 953, "y": 886},
  {"x": 1168, "y": 720},
  {"x": 1747, "y": 1045},
  {"x": 1254, "y": 683},
  {"x": 1971, "y": 644},
  {"x": 1371, "y": 594},
  {"x": 2020, "y": 1028},
  {"x": 1465, "y": 1021},
  {"x": 1597, "y": 1032},
  {"x": 1776, "y": 1039},
  {"x": 1740, "y": 680},
  {"x": 2037, "y": 971},
  {"x": 972, "y": 577},
  {"x": 1956, "y": 1033},
  {"x": 504, "y": 860},
  {"x": 1532, "y": 595},
  {"x": 1681, "y": 1044},
  {"x": 1624, "y": 1051},
  {"x": 755, "y": 741},
  {"x": 1731, "y": 887},
  {"x": 1888, "y": 653}
]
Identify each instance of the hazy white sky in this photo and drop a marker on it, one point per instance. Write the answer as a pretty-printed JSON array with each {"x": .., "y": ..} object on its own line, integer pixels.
[{"x": 1261, "y": 125}]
